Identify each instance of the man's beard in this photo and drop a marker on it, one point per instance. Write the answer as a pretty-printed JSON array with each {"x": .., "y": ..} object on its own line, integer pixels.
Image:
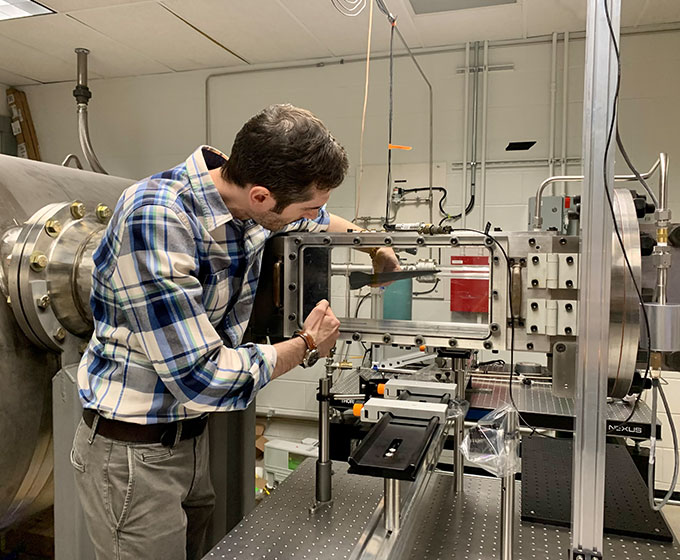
[{"x": 270, "y": 220}]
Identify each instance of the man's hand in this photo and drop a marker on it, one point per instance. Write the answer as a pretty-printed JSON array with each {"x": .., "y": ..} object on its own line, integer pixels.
[
  {"x": 385, "y": 260},
  {"x": 324, "y": 327}
]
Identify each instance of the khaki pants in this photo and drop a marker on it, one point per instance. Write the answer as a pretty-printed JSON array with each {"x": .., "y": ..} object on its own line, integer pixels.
[{"x": 143, "y": 501}]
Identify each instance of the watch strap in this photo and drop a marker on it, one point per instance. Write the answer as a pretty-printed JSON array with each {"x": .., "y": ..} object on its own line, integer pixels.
[{"x": 308, "y": 338}]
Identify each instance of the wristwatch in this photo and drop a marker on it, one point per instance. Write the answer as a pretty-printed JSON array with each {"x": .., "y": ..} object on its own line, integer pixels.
[{"x": 312, "y": 352}]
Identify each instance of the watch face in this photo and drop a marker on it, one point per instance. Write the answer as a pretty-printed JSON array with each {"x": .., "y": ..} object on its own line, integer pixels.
[{"x": 311, "y": 357}]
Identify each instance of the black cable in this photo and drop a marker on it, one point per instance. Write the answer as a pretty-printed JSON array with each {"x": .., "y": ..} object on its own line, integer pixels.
[
  {"x": 440, "y": 189},
  {"x": 468, "y": 209},
  {"x": 436, "y": 283},
  {"x": 639, "y": 177},
  {"x": 611, "y": 204},
  {"x": 363, "y": 298},
  {"x": 534, "y": 431}
]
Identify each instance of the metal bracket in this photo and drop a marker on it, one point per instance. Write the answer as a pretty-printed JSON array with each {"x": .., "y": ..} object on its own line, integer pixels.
[{"x": 585, "y": 554}]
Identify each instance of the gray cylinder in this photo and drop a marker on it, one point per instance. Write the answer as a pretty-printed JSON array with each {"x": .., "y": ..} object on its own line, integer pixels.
[{"x": 26, "y": 370}]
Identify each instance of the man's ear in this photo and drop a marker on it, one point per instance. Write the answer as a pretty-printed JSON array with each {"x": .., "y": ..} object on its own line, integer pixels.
[{"x": 261, "y": 197}]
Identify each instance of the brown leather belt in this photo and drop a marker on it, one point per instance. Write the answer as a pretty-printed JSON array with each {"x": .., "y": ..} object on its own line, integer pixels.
[{"x": 145, "y": 433}]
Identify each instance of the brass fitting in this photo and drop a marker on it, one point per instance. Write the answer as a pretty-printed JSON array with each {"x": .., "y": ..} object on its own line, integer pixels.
[
  {"x": 77, "y": 210},
  {"x": 53, "y": 227},
  {"x": 60, "y": 334},
  {"x": 38, "y": 261},
  {"x": 103, "y": 213}
]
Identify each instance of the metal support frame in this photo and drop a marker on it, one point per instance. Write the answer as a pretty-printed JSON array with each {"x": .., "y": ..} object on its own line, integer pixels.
[
  {"x": 324, "y": 486},
  {"x": 595, "y": 283},
  {"x": 458, "y": 459},
  {"x": 508, "y": 489},
  {"x": 392, "y": 505}
]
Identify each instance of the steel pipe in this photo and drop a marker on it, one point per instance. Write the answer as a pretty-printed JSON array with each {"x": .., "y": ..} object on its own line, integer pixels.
[
  {"x": 392, "y": 505},
  {"x": 508, "y": 492}
]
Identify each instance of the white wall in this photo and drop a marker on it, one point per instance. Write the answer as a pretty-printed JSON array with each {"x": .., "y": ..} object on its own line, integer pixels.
[{"x": 145, "y": 124}]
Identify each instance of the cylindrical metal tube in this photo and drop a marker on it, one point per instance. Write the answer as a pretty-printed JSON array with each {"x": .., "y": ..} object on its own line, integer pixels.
[
  {"x": 392, "y": 505},
  {"x": 323, "y": 463},
  {"x": 663, "y": 181},
  {"x": 82, "y": 66},
  {"x": 84, "y": 136},
  {"x": 508, "y": 492},
  {"x": 458, "y": 459}
]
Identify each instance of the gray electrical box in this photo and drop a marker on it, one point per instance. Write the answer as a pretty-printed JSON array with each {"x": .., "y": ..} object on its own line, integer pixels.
[{"x": 553, "y": 212}]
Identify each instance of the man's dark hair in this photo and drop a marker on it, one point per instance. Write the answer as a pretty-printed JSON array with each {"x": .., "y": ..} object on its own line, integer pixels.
[{"x": 287, "y": 150}]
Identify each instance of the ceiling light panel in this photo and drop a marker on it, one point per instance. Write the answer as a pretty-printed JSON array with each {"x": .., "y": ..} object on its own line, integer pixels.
[
  {"x": 14, "y": 9},
  {"x": 435, "y": 6}
]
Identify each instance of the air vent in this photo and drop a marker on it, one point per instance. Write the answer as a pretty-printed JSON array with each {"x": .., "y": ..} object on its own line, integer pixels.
[
  {"x": 519, "y": 146},
  {"x": 436, "y": 6}
]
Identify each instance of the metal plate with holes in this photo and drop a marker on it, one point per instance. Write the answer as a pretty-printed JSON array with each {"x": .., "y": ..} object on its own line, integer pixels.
[
  {"x": 281, "y": 529},
  {"x": 546, "y": 492}
]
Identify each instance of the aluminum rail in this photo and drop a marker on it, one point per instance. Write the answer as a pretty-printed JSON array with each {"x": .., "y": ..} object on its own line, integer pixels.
[{"x": 537, "y": 221}]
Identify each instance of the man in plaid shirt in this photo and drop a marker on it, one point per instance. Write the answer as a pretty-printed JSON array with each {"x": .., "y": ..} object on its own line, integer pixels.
[{"x": 173, "y": 288}]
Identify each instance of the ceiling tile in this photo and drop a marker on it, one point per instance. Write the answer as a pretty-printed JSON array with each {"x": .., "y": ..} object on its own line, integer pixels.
[
  {"x": 26, "y": 61},
  {"x": 545, "y": 16},
  {"x": 257, "y": 30},
  {"x": 61, "y": 34},
  {"x": 11, "y": 79},
  {"x": 172, "y": 42},
  {"x": 659, "y": 11}
]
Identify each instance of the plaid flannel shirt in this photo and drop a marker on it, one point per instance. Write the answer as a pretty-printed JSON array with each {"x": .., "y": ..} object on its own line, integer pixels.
[{"x": 173, "y": 286}]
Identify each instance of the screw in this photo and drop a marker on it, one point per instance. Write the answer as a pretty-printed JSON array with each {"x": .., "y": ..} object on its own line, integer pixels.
[
  {"x": 495, "y": 260},
  {"x": 570, "y": 284},
  {"x": 103, "y": 213},
  {"x": 387, "y": 338},
  {"x": 356, "y": 241},
  {"x": 388, "y": 241},
  {"x": 453, "y": 342},
  {"x": 53, "y": 227},
  {"x": 38, "y": 261},
  {"x": 44, "y": 302},
  {"x": 292, "y": 287},
  {"x": 77, "y": 210},
  {"x": 530, "y": 345},
  {"x": 535, "y": 260},
  {"x": 297, "y": 240},
  {"x": 534, "y": 282},
  {"x": 560, "y": 347},
  {"x": 454, "y": 241},
  {"x": 326, "y": 240},
  {"x": 532, "y": 241},
  {"x": 356, "y": 337},
  {"x": 569, "y": 307},
  {"x": 292, "y": 256},
  {"x": 563, "y": 241},
  {"x": 60, "y": 334},
  {"x": 292, "y": 317},
  {"x": 570, "y": 260},
  {"x": 420, "y": 240},
  {"x": 488, "y": 242},
  {"x": 494, "y": 293},
  {"x": 567, "y": 330},
  {"x": 419, "y": 340},
  {"x": 534, "y": 305},
  {"x": 534, "y": 328},
  {"x": 488, "y": 345},
  {"x": 522, "y": 262},
  {"x": 495, "y": 327}
]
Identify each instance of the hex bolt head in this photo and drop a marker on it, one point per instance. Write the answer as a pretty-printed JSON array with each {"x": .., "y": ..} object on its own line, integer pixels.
[
  {"x": 44, "y": 302},
  {"x": 534, "y": 282},
  {"x": 534, "y": 305},
  {"x": 77, "y": 210},
  {"x": 570, "y": 284},
  {"x": 569, "y": 307},
  {"x": 38, "y": 261},
  {"x": 535, "y": 259},
  {"x": 533, "y": 328},
  {"x": 103, "y": 213},
  {"x": 53, "y": 227},
  {"x": 570, "y": 260},
  {"x": 60, "y": 334}
]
